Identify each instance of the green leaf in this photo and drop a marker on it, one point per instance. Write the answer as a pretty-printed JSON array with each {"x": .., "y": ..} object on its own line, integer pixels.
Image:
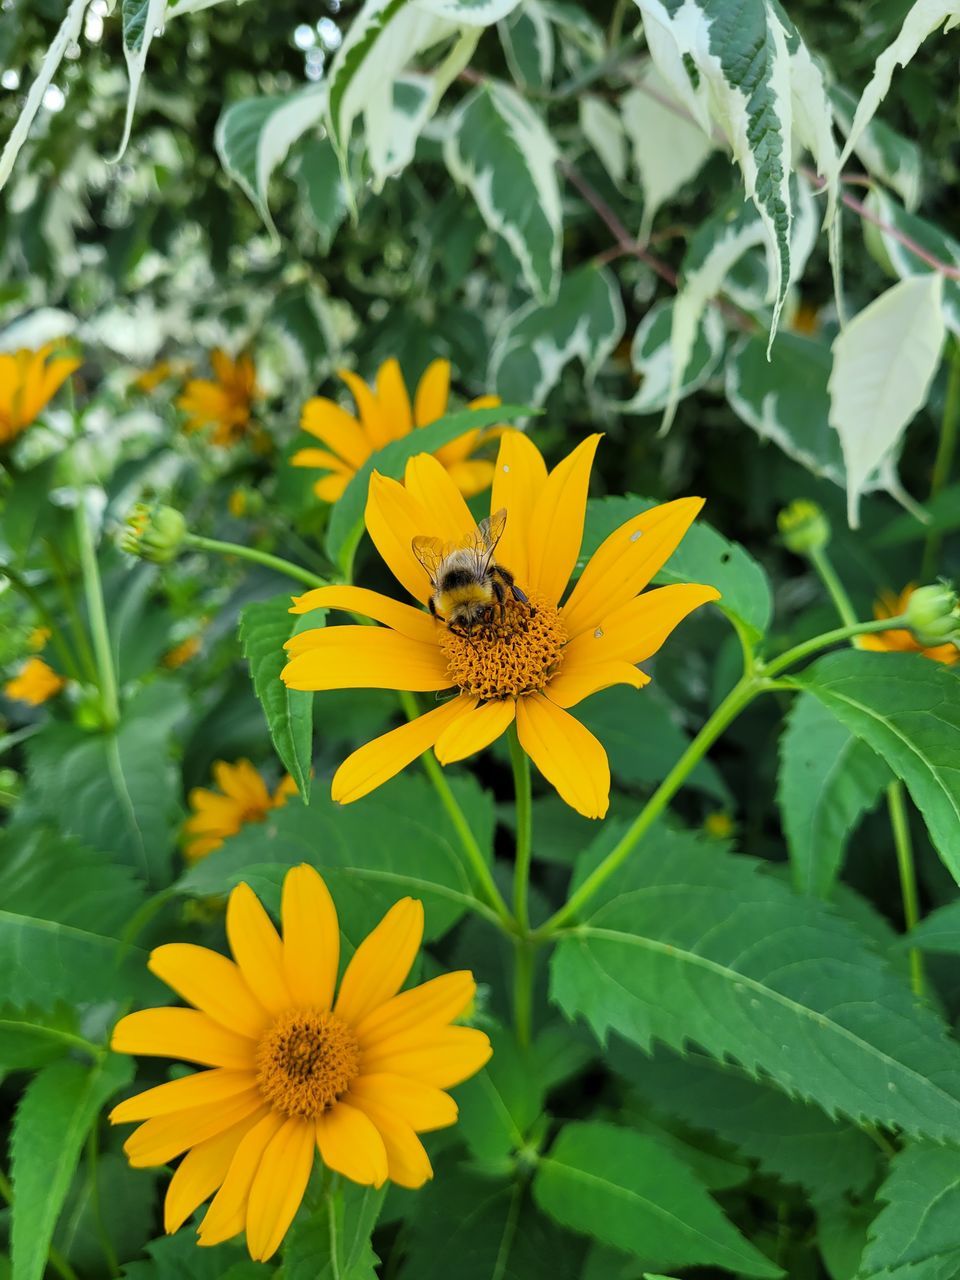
[
  {"x": 177, "y": 1257},
  {"x": 264, "y": 628},
  {"x": 326, "y": 201},
  {"x": 528, "y": 45},
  {"x": 828, "y": 778},
  {"x": 917, "y": 1235},
  {"x": 703, "y": 556},
  {"x": 142, "y": 19},
  {"x": 55, "y": 1114},
  {"x": 27, "y": 509},
  {"x": 938, "y": 932},
  {"x": 301, "y": 315},
  {"x": 887, "y": 154},
  {"x": 125, "y": 1200},
  {"x": 122, "y": 788},
  {"x": 793, "y": 1140},
  {"x": 937, "y": 243},
  {"x": 500, "y": 1106},
  {"x": 651, "y": 355},
  {"x": 627, "y": 1190},
  {"x": 907, "y": 709},
  {"x": 371, "y": 853},
  {"x": 499, "y": 148},
  {"x": 333, "y": 1241},
  {"x": 31, "y": 1037},
  {"x": 584, "y": 322},
  {"x": 689, "y": 943},
  {"x": 346, "y": 518}
]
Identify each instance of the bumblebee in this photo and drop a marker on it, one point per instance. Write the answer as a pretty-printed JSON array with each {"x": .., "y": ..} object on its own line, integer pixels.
[{"x": 469, "y": 587}]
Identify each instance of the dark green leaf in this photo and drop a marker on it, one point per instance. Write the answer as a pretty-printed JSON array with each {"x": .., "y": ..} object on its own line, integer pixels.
[
  {"x": 332, "y": 1242},
  {"x": 917, "y": 1235},
  {"x": 124, "y": 1199},
  {"x": 499, "y": 1106},
  {"x": 322, "y": 185}
]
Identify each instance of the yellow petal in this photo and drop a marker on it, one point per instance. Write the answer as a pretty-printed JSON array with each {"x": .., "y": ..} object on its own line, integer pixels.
[
  {"x": 382, "y": 961},
  {"x": 382, "y": 759},
  {"x": 355, "y": 657},
  {"x": 278, "y": 1187},
  {"x": 408, "y": 1165},
  {"x": 322, "y": 459},
  {"x": 161, "y": 1138},
  {"x": 394, "y": 400},
  {"x": 241, "y": 781},
  {"x": 576, "y": 682},
  {"x": 200, "y": 1173},
  {"x": 394, "y": 518},
  {"x": 371, "y": 604},
  {"x": 350, "y": 1144},
  {"x": 556, "y": 525},
  {"x": 212, "y": 983},
  {"x": 433, "y": 392},
  {"x": 422, "y": 1106},
  {"x": 338, "y": 430},
  {"x": 226, "y": 1215},
  {"x": 311, "y": 938},
  {"x": 440, "y": 1057},
  {"x": 626, "y": 561},
  {"x": 185, "y": 1034},
  {"x": 433, "y": 1003},
  {"x": 202, "y": 1089},
  {"x": 637, "y": 629},
  {"x": 566, "y": 753},
  {"x": 518, "y": 480},
  {"x": 431, "y": 486},
  {"x": 471, "y": 477},
  {"x": 375, "y": 425},
  {"x": 474, "y": 731},
  {"x": 331, "y": 488},
  {"x": 257, "y": 949}
]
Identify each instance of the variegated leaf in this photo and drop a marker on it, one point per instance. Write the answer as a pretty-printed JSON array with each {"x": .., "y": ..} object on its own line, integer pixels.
[
  {"x": 652, "y": 358},
  {"x": 603, "y": 130}
]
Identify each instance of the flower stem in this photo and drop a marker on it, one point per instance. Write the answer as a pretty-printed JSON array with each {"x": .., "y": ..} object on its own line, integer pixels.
[
  {"x": 93, "y": 1176},
  {"x": 943, "y": 463},
  {"x": 521, "y": 787},
  {"x": 468, "y": 840},
  {"x": 277, "y": 563},
  {"x": 838, "y": 593},
  {"x": 523, "y": 990},
  {"x": 81, "y": 640},
  {"x": 97, "y": 615},
  {"x": 896, "y": 804},
  {"x": 828, "y": 638}
]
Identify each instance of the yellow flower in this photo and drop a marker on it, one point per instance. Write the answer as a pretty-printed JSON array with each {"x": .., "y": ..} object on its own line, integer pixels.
[
  {"x": 182, "y": 652},
  {"x": 35, "y": 684},
  {"x": 243, "y": 797},
  {"x": 28, "y": 382},
  {"x": 223, "y": 402},
  {"x": 38, "y": 638},
  {"x": 891, "y": 605},
  {"x": 151, "y": 378},
  {"x": 357, "y": 1075},
  {"x": 385, "y": 414},
  {"x": 538, "y": 659}
]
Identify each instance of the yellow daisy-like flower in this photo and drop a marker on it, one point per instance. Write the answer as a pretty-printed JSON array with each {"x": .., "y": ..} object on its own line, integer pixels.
[
  {"x": 28, "y": 382},
  {"x": 891, "y": 605},
  {"x": 385, "y": 414},
  {"x": 356, "y": 1074},
  {"x": 537, "y": 658},
  {"x": 223, "y": 402},
  {"x": 243, "y": 797},
  {"x": 182, "y": 652},
  {"x": 36, "y": 683}
]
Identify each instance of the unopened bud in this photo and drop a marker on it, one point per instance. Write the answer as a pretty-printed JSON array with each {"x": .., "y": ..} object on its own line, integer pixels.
[
  {"x": 803, "y": 527},
  {"x": 153, "y": 532},
  {"x": 933, "y": 615}
]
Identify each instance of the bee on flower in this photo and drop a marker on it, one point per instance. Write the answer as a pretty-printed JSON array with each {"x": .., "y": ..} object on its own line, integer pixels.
[
  {"x": 292, "y": 1065},
  {"x": 241, "y": 797},
  {"x": 223, "y": 402},
  {"x": 493, "y": 637},
  {"x": 36, "y": 683},
  {"x": 28, "y": 382},
  {"x": 384, "y": 413}
]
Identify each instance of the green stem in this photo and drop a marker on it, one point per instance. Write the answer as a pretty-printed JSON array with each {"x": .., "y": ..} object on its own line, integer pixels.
[
  {"x": 97, "y": 616},
  {"x": 897, "y": 807},
  {"x": 739, "y": 697},
  {"x": 828, "y": 638},
  {"x": 615, "y": 28},
  {"x": 93, "y": 1160},
  {"x": 29, "y": 593},
  {"x": 943, "y": 463},
  {"x": 838, "y": 594},
  {"x": 81, "y": 640},
  {"x": 523, "y": 990},
  {"x": 56, "y": 1259},
  {"x": 277, "y": 563},
  {"x": 521, "y": 787},
  {"x": 468, "y": 840}
]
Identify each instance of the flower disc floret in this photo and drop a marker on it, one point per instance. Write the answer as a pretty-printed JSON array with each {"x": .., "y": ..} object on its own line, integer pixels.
[
  {"x": 514, "y": 655},
  {"x": 306, "y": 1062}
]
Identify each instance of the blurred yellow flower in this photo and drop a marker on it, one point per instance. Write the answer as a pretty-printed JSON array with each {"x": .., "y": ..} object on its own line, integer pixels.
[
  {"x": 719, "y": 825},
  {"x": 38, "y": 638},
  {"x": 160, "y": 372},
  {"x": 384, "y": 413},
  {"x": 891, "y": 605},
  {"x": 36, "y": 683},
  {"x": 223, "y": 402},
  {"x": 28, "y": 382},
  {"x": 182, "y": 652},
  {"x": 532, "y": 658},
  {"x": 295, "y": 1066},
  {"x": 242, "y": 797}
]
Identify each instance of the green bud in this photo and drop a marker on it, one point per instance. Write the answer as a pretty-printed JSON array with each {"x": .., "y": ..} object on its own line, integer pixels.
[
  {"x": 153, "y": 532},
  {"x": 933, "y": 615},
  {"x": 803, "y": 527}
]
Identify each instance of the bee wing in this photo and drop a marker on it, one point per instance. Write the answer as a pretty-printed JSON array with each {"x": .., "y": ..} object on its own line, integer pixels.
[
  {"x": 489, "y": 532},
  {"x": 430, "y": 552}
]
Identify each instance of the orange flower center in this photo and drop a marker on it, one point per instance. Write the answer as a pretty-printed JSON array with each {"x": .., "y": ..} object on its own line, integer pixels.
[
  {"x": 306, "y": 1061},
  {"x": 515, "y": 654}
]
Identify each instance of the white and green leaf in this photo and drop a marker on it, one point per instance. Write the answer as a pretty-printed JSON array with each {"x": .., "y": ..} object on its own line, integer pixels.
[
  {"x": 471, "y": 13},
  {"x": 142, "y": 20},
  {"x": 604, "y": 134},
  {"x": 898, "y": 227},
  {"x": 651, "y": 356},
  {"x": 529, "y": 45}
]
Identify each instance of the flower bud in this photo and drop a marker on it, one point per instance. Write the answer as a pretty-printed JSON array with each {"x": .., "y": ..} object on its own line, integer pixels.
[
  {"x": 153, "y": 532},
  {"x": 803, "y": 527},
  {"x": 933, "y": 615}
]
